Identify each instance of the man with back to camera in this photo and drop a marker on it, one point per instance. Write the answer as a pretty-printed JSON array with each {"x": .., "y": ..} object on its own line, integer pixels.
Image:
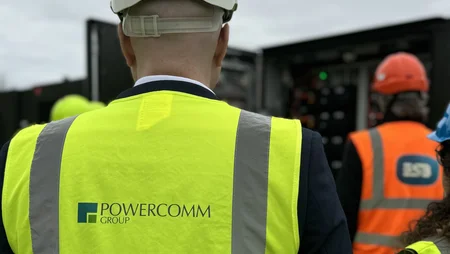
[
  {"x": 390, "y": 173},
  {"x": 166, "y": 167}
]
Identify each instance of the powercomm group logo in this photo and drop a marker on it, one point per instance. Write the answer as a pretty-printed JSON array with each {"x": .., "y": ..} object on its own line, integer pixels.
[
  {"x": 87, "y": 212},
  {"x": 122, "y": 213}
]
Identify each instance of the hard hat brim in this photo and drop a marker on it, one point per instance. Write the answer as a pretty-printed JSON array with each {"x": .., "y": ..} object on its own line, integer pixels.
[
  {"x": 118, "y": 6},
  {"x": 433, "y": 136},
  {"x": 442, "y": 132}
]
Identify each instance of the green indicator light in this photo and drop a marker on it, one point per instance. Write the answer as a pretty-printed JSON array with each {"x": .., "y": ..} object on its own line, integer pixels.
[{"x": 323, "y": 75}]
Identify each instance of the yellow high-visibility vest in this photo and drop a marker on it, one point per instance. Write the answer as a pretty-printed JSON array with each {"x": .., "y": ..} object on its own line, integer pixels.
[
  {"x": 160, "y": 172},
  {"x": 433, "y": 245}
]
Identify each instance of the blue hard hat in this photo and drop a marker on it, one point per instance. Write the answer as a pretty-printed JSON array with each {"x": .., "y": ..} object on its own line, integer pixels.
[{"x": 442, "y": 132}]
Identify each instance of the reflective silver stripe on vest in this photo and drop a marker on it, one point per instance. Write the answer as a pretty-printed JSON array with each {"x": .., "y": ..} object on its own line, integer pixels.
[
  {"x": 378, "y": 201},
  {"x": 44, "y": 187},
  {"x": 376, "y": 239},
  {"x": 396, "y": 204},
  {"x": 251, "y": 169}
]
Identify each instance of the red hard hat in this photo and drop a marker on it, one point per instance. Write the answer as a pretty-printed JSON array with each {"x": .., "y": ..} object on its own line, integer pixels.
[{"x": 400, "y": 72}]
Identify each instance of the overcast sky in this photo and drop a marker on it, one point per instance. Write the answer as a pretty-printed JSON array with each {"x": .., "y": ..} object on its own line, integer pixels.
[{"x": 43, "y": 41}]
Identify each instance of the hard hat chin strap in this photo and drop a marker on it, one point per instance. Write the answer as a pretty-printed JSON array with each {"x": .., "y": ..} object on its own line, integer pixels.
[{"x": 155, "y": 26}]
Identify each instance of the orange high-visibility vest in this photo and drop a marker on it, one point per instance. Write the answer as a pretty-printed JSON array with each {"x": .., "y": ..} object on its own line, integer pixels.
[{"x": 400, "y": 178}]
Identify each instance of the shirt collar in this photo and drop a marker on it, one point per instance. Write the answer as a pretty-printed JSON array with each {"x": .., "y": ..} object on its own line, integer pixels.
[
  {"x": 154, "y": 84},
  {"x": 154, "y": 78}
]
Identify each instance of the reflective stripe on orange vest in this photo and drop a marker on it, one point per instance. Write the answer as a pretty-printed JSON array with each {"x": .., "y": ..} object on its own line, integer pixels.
[
  {"x": 387, "y": 204},
  {"x": 376, "y": 239}
]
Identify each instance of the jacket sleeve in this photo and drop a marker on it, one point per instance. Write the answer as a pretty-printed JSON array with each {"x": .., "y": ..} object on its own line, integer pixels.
[
  {"x": 349, "y": 181},
  {"x": 322, "y": 221},
  {"x": 4, "y": 245}
]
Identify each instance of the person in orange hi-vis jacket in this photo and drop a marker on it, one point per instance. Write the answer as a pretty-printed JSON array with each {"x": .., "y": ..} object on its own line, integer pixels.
[{"x": 390, "y": 173}]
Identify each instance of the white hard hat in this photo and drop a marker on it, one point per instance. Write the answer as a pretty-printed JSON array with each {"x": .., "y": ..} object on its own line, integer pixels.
[
  {"x": 154, "y": 26},
  {"x": 120, "y": 5}
]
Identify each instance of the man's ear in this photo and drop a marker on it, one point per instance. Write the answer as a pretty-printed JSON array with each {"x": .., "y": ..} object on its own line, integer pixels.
[
  {"x": 125, "y": 45},
  {"x": 222, "y": 45}
]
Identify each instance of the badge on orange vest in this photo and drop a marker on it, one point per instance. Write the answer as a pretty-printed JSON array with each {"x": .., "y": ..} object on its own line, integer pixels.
[{"x": 417, "y": 170}]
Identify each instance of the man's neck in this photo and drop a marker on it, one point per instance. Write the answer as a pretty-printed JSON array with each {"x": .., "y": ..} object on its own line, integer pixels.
[
  {"x": 188, "y": 71},
  {"x": 155, "y": 78}
]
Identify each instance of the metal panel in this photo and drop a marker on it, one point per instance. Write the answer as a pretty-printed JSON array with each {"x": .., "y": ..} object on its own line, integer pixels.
[
  {"x": 357, "y": 38},
  {"x": 108, "y": 74},
  {"x": 237, "y": 85},
  {"x": 36, "y": 104},
  {"x": 362, "y": 107},
  {"x": 9, "y": 115},
  {"x": 440, "y": 73}
]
